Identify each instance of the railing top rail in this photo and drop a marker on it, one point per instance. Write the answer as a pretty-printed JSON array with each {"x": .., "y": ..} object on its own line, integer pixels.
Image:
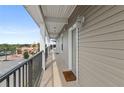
[{"x": 2, "y": 77}]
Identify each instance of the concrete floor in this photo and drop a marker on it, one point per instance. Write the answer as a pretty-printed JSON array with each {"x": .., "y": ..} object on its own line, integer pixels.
[
  {"x": 47, "y": 77},
  {"x": 53, "y": 76},
  {"x": 62, "y": 68}
]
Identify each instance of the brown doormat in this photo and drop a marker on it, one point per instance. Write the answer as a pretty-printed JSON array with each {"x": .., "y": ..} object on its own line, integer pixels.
[{"x": 69, "y": 76}]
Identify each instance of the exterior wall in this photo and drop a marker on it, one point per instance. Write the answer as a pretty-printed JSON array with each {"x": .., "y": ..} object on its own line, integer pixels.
[
  {"x": 101, "y": 47},
  {"x": 57, "y": 46},
  {"x": 65, "y": 48},
  {"x": 64, "y": 53},
  {"x": 42, "y": 33}
]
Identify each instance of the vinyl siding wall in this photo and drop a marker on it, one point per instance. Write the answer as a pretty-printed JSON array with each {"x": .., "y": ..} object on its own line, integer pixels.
[
  {"x": 101, "y": 47},
  {"x": 65, "y": 48},
  {"x": 64, "y": 53}
]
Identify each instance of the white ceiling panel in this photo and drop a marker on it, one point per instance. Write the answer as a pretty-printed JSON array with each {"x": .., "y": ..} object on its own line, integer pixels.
[
  {"x": 54, "y": 27},
  {"x": 63, "y": 11},
  {"x": 56, "y": 16},
  {"x": 34, "y": 11}
]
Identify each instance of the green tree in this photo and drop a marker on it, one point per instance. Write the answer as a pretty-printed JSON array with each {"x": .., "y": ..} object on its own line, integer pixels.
[
  {"x": 26, "y": 55},
  {"x": 8, "y": 48}
]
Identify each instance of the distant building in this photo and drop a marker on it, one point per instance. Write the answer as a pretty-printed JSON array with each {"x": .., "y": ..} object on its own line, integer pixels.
[{"x": 33, "y": 49}]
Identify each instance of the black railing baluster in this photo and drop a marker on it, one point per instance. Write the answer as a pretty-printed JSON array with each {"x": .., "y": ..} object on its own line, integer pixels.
[
  {"x": 30, "y": 73},
  {"x": 26, "y": 75},
  {"x": 14, "y": 79},
  {"x": 7, "y": 82},
  {"x": 19, "y": 76},
  {"x": 23, "y": 77}
]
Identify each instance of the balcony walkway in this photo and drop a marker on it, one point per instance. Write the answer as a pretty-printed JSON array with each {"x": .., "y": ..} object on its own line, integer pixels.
[{"x": 53, "y": 76}]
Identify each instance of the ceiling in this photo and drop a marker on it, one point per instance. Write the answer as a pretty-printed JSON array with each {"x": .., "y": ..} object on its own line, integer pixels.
[{"x": 56, "y": 16}]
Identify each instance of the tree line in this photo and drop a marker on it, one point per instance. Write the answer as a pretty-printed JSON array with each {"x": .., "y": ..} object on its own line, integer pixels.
[{"x": 11, "y": 47}]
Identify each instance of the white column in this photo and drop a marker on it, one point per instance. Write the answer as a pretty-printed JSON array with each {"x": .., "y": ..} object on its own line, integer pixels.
[
  {"x": 42, "y": 27},
  {"x": 41, "y": 41},
  {"x": 43, "y": 61},
  {"x": 70, "y": 49}
]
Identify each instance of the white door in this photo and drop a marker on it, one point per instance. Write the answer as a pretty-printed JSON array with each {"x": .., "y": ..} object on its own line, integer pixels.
[{"x": 73, "y": 50}]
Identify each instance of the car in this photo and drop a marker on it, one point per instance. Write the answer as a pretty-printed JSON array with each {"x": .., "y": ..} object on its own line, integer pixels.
[{"x": 2, "y": 53}]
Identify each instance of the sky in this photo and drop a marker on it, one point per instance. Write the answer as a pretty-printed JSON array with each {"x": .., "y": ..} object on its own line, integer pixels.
[{"x": 17, "y": 26}]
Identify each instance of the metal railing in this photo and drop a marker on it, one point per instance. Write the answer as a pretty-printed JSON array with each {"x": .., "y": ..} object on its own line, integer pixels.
[
  {"x": 47, "y": 51},
  {"x": 26, "y": 74}
]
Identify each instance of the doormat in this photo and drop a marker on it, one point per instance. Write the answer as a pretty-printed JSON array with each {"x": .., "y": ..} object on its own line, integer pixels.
[{"x": 69, "y": 76}]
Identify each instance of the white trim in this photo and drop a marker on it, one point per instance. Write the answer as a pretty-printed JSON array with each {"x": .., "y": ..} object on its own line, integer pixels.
[
  {"x": 56, "y": 20},
  {"x": 75, "y": 26},
  {"x": 43, "y": 61},
  {"x": 61, "y": 43},
  {"x": 70, "y": 49},
  {"x": 77, "y": 62}
]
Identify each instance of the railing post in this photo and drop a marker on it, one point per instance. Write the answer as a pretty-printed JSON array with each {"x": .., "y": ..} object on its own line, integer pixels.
[
  {"x": 19, "y": 77},
  {"x": 43, "y": 60},
  {"x": 14, "y": 79},
  {"x": 26, "y": 72},
  {"x": 30, "y": 83},
  {"x": 23, "y": 77},
  {"x": 7, "y": 82}
]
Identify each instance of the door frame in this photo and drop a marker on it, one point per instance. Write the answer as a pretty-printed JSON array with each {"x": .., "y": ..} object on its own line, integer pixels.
[
  {"x": 61, "y": 43},
  {"x": 75, "y": 26}
]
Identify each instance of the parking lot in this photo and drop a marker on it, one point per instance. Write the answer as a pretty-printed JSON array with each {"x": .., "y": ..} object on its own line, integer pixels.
[{"x": 5, "y": 66}]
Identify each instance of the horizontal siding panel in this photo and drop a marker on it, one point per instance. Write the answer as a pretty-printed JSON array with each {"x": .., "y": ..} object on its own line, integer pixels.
[
  {"x": 98, "y": 13},
  {"x": 107, "y": 74},
  {"x": 97, "y": 58},
  {"x": 107, "y": 28},
  {"x": 116, "y": 54},
  {"x": 112, "y": 62},
  {"x": 101, "y": 47},
  {"x": 107, "y": 37},
  {"x": 91, "y": 78},
  {"x": 94, "y": 10},
  {"x": 108, "y": 54},
  {"x": 87, "y": 11},
  {"x": 110, "y": 45},
  {"x": 106, "y": 15},
  {"x": 114, "y": 19}
]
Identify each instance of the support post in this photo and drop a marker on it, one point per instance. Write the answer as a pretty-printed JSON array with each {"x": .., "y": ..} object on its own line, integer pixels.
[{"x": 43, "y": 61}]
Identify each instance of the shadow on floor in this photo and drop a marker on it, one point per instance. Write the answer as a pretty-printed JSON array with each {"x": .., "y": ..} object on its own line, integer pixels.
[
  {"x": 48, "y": 81},
  {"x": 49, "y": 64}
]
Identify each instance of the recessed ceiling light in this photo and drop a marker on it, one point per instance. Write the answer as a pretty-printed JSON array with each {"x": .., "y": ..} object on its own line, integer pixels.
[{"x": 54, "y": 27}]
